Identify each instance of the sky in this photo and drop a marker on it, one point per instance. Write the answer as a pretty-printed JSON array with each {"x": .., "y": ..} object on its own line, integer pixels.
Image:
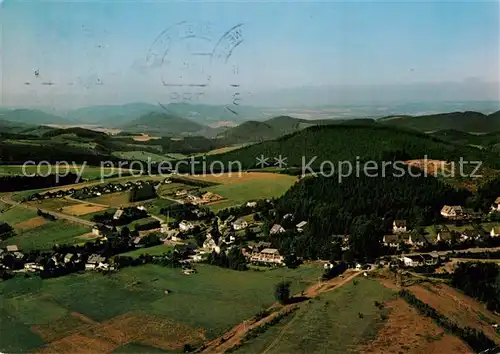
[{"x": 68, "y": 54}]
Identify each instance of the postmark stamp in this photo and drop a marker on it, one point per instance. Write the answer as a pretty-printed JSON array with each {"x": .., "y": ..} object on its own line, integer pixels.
[{"x": 189, "y": 55}]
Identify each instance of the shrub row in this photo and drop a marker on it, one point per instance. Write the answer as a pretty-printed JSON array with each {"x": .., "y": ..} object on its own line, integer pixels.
[{"x": 477, "y": 340}]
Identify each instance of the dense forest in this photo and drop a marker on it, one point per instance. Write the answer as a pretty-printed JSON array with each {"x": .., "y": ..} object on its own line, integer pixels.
[
  {"x": 480, "y": 281},
  {"x": 363, "y": 207},
  {"x": 465, "y": 121},
  {"x": 19, "y": 183},
  {"x": 352, "y": 143}
]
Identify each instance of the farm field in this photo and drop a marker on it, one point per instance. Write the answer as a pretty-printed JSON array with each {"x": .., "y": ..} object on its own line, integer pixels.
[
  {"x": 91, "y": 215},
  {"x": 16, "y": 215},
  {"x": 131, "y": 307},
  {"x": 83, "y": 209},
  {"x": 154, "y": 251},
  {"x": 329, "y": 321},
  {"x": 154, "y": 207},
  {"x": 237, "y": 189},
  {"x": 114, "y": 200},
  {"x": 46, "y": 235},
  {"x": 170, "y": 188},
  {"x": 55, "y": 204}
]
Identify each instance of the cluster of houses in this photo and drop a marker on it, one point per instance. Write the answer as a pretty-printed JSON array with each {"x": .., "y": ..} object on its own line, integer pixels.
[
  {"x": 90, "y": 192},
  {"x": 419, "y": 260},
  {"x": 54, "y": 260},
  {"x": 402, "y": 235}
]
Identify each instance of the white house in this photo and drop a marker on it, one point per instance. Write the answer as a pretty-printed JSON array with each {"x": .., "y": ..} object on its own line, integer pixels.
[
  {"x": 495, "y": 231},
  {"x": 300, "y": 226},
  {"x": 399, "y": 226},
  {"x": 413, "y": 261},
  {"x": 452, "y": 211},
  {"x": 118, "y": 214},
  {"x": 276, "y": 229},
  {"x": 251, "y": 204},
  {"x": 186, "y": 226},
  {"x": 240, "y": 224}
]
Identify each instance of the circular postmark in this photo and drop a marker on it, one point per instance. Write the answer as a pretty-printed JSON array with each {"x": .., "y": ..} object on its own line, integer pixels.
[{"x": 188, "y": 57}]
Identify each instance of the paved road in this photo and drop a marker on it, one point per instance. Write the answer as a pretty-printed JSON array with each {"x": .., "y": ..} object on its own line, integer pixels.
[
  {"x": 7, "y": 200},
  {"x": 440, "y": 253}
]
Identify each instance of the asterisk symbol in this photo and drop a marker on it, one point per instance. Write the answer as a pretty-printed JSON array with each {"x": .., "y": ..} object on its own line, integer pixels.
[
  {"x": 280, "y": 161},
  {"x": 262, "y": 161}
]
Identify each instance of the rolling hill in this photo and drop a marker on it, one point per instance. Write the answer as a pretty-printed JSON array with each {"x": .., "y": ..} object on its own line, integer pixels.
[
  {"x": 164, "y": 124},
  {"x": 112, "y": 115},
  {"x": 257, "y": 131},
  {"x": 468, "y": 121},
  {"x": 31, "y": 116},
  {"x": 344, "y": 142}
]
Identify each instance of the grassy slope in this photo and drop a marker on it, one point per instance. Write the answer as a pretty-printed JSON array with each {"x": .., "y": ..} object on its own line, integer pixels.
[
  {"x": 238, "y": 193},
  {"x": 45, "y": 236},
  {"x": 15, "y": 215},
  {"x": 328, "y": 323},
  {"x": 206, "y": 299}
]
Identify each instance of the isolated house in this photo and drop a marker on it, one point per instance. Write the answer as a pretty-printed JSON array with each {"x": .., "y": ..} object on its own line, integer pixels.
[
  {"x": 452, "y": 212},
  {"x": 251, "y": 204},
  {"x": 399, "y": 226},
  {"x": 276, "y": 229},
  {"x": 412, "y": 261},
  {"x": 94, "y": 261},
  {"x": 12, "y": 248},
  {"x": 118, "y": 214},
  {"x": 300, "y": 226},
  {"x": 495, "y": 231}
]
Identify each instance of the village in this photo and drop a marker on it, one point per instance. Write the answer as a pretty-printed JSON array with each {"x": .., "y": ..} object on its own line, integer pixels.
[{"x": 196, "y": 233}]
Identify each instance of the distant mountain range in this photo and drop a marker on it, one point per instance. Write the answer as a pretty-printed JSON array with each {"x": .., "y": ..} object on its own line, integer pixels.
[
  {"x": 164, "y": 124},
  {"x": 198, "y": 119},
  {"x": 473, "y": 122}
]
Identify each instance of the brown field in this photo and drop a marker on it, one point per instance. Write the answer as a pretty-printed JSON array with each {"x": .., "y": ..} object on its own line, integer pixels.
[
  {"x": 228, "y": 178},
  {"x": 405, "y": 331},
  {"x": 431, "y": 166},
  {"x": 88, "y": 336},
  {"x": 82, "y": 209},
  {"x": 30, "y": 223},
  {"x": 457, "y": 306}
]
